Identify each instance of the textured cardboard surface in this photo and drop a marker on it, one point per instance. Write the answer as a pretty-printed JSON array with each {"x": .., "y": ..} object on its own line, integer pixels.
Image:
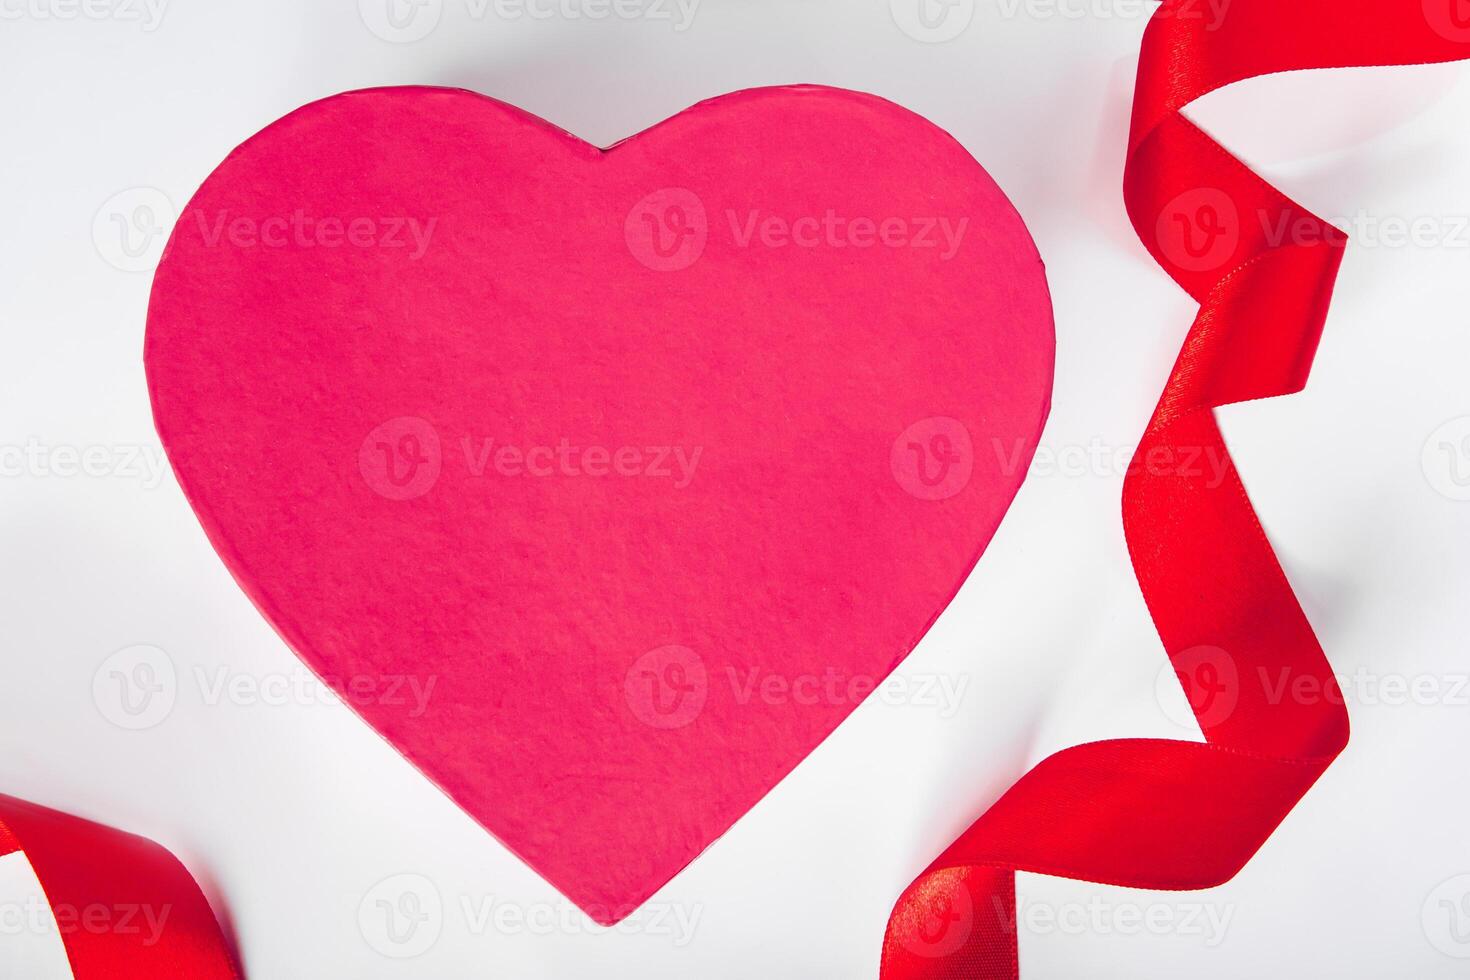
[{"x": 603, "y": 484}]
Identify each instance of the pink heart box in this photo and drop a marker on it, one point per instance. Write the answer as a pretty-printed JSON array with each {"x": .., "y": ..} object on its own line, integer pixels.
[{"x": 643, "y": 466}]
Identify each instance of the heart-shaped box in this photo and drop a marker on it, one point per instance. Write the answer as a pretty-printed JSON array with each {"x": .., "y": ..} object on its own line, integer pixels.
[{"x": 602, "y": 483}]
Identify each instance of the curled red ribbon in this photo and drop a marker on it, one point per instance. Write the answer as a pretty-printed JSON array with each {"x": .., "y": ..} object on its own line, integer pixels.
[
  {"x": 126, "y": 908},
  {"x": 1150, "y": 813}
]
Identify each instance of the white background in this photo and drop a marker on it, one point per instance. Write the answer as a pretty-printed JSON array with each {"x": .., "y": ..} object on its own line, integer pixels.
[{"x": 293, "y": 813}]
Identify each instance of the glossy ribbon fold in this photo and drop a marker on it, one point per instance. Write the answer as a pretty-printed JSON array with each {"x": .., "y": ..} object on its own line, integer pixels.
[
  {"x": 125, "y": 907},
  {"x": 1161, "y": 814}
]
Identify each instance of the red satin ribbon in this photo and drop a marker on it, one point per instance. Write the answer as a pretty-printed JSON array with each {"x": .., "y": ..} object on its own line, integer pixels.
[
  {"x": 1150, "y": 813},
  {"x": 125, "y": 907}
]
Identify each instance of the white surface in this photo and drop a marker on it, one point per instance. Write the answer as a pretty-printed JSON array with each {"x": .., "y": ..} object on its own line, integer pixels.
[
  {"x": 300, "y": 820},
  {"x": 30, "y": 934}
]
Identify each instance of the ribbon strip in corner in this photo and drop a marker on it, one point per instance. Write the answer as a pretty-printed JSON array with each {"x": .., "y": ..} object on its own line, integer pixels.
[
  {"x": 1160, "y": 814},
  {"x": 126, "y": 908}
]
